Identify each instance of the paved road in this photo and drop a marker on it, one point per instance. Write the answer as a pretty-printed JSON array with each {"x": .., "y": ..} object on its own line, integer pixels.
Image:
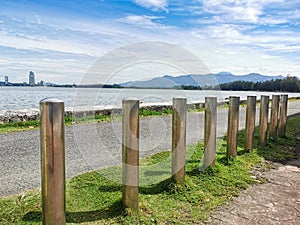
[{"x": 95, "y": 146}]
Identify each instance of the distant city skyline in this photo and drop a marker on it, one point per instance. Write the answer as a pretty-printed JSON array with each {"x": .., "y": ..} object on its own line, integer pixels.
[
  {"x": 29, "y": 79},
  {"x": 61, "y": 40}
]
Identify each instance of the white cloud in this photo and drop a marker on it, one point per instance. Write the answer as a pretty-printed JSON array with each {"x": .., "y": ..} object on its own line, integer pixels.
[
  {"x": 69, "y": 38},
  {"x": 270, "y": 56},
  {"x": 237, "y": 35},
  {"x": 279, "y": 47},
  {"x": 273, "y": 21},
  {"x": 155, "y": 5},
  {"x": 49, "y": 66},
  {"x": 228, "y": 32},
  {"x": 149, "y": 22},
  {"x": 45, "y": 44},
  {"x": 237, "y": 10},
  {"x": 241, "y": 50},
  {"x": 3, "y": 61}
]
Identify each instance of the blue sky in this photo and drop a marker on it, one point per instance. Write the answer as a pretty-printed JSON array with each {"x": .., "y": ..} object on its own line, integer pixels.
[{"x": 61, "y": 39}]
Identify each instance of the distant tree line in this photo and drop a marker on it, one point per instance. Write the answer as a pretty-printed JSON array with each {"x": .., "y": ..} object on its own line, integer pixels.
[
  {"x": 98, "y": 86},
  {"x": 85, "y": 85},
  {"x": 289, "y": 84}
]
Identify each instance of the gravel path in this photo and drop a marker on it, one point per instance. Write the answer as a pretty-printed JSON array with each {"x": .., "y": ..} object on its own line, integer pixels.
[{"x": 95, "y": 146}]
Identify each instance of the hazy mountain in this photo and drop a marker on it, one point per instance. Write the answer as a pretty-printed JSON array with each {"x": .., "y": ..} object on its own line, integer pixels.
[{"x": 168, "y": 81}]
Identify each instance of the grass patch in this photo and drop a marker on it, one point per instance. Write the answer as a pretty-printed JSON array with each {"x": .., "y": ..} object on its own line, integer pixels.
[
  {"x": 284, "y": 148},
  {"x": 19, "y": 126},
  {"x": 293, "y": 99},
  {"x": 71, "y": 120},
  {"x": 144, "y": 112},
  {"x": 92, "y": 198}
]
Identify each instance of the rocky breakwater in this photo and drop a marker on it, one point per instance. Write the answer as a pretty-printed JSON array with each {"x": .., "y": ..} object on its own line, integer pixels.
[{"x": 18, "y": 115}]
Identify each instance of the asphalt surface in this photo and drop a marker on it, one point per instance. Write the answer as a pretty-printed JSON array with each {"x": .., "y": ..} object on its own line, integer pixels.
[{"x": 94, "y": 146}]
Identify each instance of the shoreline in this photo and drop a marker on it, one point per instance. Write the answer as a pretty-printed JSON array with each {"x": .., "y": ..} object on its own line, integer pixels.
[{"x": 8, "y": 116}]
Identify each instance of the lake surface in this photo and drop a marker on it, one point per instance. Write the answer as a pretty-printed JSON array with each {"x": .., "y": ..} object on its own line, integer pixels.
[{"x": 27, "y": 98}]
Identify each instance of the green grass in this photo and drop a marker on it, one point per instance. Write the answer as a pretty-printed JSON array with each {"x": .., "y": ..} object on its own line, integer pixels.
[
  {"x": 72, "y": 120},
  {"x": 19, "y": 126},
  {"x": 95, "y": 197},
  {"x": 284, "y": 148},
  {"x": 294, "y": 99},
  {"x": 145, "y": 112}
]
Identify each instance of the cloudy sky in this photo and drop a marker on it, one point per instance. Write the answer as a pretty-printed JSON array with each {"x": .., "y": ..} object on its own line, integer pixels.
[{"x": 61, "y": 39}]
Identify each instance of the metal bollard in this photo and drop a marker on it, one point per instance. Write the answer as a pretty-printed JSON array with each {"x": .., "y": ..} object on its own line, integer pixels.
[
  {"x": 130, "y": 153},
  {"x": 250, "y": 123},
  {"x": 263, "y": 120},
  {"x": 210, "y": 131},
  {"x": 178, "y": 138},
  {"x": 233, "y": 126},
  {"x": 274, "y": 117},
  {"x": 283, "y": 116},
  {"x": 53, "y": 161}
]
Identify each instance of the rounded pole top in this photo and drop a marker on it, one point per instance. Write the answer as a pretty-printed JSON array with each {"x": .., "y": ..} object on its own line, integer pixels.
[
  {"x": 51, "y": 100},
  {"x": 180, "y": 97},
  {"x": 179, "y": 100},
  {"x": 210, "y": 97},
  {"x": 130, "y": 100}
]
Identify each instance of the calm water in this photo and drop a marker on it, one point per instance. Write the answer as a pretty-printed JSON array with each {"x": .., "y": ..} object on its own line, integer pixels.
[{"x": 27, "y": 98}]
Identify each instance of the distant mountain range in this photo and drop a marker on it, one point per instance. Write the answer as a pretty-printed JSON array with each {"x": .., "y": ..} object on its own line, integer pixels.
[{"x": 168, "y": 81}]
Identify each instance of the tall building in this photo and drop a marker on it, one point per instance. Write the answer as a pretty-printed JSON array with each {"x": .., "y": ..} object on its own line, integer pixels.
[
  {"x": 5, "y": 80},
  {"x": 31, "y": 79}
]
